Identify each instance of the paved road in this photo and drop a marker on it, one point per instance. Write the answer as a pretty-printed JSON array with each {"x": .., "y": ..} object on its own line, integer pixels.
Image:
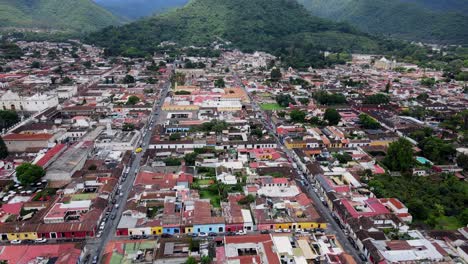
[
  {"x": 333, "y": 227},
  {"x": 98, "y": 244}
]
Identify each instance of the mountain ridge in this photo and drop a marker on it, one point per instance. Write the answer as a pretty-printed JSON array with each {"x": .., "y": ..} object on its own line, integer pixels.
[
  {"x": 281, "y": 27},
  {"x": 420, "y": 20},
  {"x": 63, "y": 15},
  {"x": 139, "y": 8}
]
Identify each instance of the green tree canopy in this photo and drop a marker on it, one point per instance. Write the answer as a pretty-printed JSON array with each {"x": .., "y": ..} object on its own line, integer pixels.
[
  {"x": 219, "y": 83},
  {"x": 28, "y": 173},
  {"x": 377, "y": 99},
  {"x": 275, "y": 74},
  {"x": 133, "y": 100},
  {"x": 128, "y": 79},
  {"x": 368, "y": 122},
  {"x": 399, "y": 155},
  {"x": 332, "y": 116},
  {"x": 436, "y": 150},
  {"x": 3, "y": 149},
  {"x": 8, "y": 118},
  {"x": 297, "y": 116}
]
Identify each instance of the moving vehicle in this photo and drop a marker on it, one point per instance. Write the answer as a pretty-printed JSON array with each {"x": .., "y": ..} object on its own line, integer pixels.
[{"x": 138, "y": 150}]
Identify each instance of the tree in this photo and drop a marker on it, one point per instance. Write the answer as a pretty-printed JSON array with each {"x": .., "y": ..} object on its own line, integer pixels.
[
  {"x": 128, "y": 79},
  {"x": 219, "y": 83},
  {"x": 67, "y": 80},
  {"x": 399, "y": 155},
  {"x": 326, "y": 98},
  {"x": 191, "y": 260},
  {"x": 35, "y": 65},
  {"x": 275, "y": 74},
  {"x": 175, "y": 136},
  {"x": 87, "y": 64},
  {"x": 8, "y": 118},
  {"x": 344, "y": 158},
  {"x": 388, "y": 86},
  {"x": 436, "y": 150},
  {"x": 128, "y": 127},
  {"x": 377, "y": 99},
  {"x": 133, "y": 100},
  {"x": 462, "y": 161},
  {"x": 429, "y": 82},
  {"x": 368, "y": 122},
  {"x": 284, "y": 100},
  {"x": 28, "y": 173},
  {"x": 190, "y": 158},
  {"x": 332, "y": 116},
  {"x": 423, "y": 97},
  {"x": 304, "y": 101},
  {"x": 297, "y": 116},
  {"x": 256, "y": 132},
  {"x": 3, "y": 149}
]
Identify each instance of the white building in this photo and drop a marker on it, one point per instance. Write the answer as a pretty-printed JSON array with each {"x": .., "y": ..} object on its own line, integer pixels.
[
  {"x": 37, "y": 102},
  {"x": 67, "y": 92}
]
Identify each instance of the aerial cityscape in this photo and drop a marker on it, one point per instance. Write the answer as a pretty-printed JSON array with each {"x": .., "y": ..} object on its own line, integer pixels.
[{"x": 233, "y": 131}]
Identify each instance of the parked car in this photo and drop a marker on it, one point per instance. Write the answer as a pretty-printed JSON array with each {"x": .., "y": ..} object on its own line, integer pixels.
[
  {"x": 194, "y": 235},
  {"x": 166, "y": 235},
  {"x": 95, "y": 260},
  {"x": 241, "y": 233},
  {"x": 15, "y": 242},
  {"x": 230, "y": 234},
  {"x": 212, "y": 234},
  {"x": 27, "y": 241},
  {"x": 113, "y": 216},
  {"x": 285, "y": 230},
  {"x": 202, "y": 234},
  {"x": 40, "y": 240},
  {"x": 278, "y": 231},
  {"x": 264, "y": 232}
]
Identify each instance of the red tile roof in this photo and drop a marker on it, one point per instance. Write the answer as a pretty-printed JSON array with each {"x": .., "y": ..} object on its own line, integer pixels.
[
  {"x": 27, "y": 137},
  {"x": 53, "y": 152}
]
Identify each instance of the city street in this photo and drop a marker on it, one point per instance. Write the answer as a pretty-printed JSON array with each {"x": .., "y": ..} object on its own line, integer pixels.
[
  {"x": 333, "y": 227},
  {"x": 108, "y": 233}
]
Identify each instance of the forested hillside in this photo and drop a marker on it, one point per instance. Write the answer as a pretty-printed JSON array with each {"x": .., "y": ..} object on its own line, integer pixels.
[
  {"x": 63, "y": 15},
  {"x": 282, "y": 27},
  {"x": 133, "y": 9},
  {"x": 422, "y": 20}
]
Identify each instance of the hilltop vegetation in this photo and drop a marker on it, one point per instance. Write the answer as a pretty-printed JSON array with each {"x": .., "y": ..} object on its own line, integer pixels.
[
  {"x": 422, "y": 20},
  {"x": 139, "y": 8},
  {"x": 64, "y": 15},
  {"x": 281, "y": 27}
]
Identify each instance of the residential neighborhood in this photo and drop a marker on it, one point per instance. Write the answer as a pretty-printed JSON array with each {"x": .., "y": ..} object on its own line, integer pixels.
[{"x": 200, "y": 156}]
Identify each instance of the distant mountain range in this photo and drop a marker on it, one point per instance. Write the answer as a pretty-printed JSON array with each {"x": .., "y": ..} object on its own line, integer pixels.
[
  {"x": 134, "y": 9},
  {"x": 435, "y": 21},
  {"x": 63, "y": 15},
  {"x": 282, "y": 27}
]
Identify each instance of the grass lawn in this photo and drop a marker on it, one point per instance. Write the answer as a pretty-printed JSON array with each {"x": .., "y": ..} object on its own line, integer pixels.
[
  {"x": 214, "y": 197},
  {"x": 271, "y": 107},
  {"x": 205, "y": 182},
  {"x": 447, "y": 223}
]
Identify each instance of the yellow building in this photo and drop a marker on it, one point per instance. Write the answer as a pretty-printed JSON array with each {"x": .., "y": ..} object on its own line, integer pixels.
[
  {"x": 290, "y": 144},
  {"x": 156, "y": 230}
]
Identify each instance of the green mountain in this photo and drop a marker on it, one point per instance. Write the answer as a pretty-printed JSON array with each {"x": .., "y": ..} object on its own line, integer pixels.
[
  {"x": 282, "y": 27},
  {"x": 135, "y": 9},
  {"x": 422, "y": 20},
  {"x": 63, "y": 15}
]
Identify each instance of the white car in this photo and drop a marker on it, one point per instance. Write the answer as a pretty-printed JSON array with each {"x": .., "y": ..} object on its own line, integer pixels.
[
  {"x": 285, "y": 230},
  {"x": 202, "y": 234},
  {"x": 15, "y": 242},
  {"x": 241, "y": 233},
  {"x": 278, "y": 231},
  {"x": 40, "y": 240},
  {"x": 298, "y": 230},
  {"x": 322, "y": 199}
]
